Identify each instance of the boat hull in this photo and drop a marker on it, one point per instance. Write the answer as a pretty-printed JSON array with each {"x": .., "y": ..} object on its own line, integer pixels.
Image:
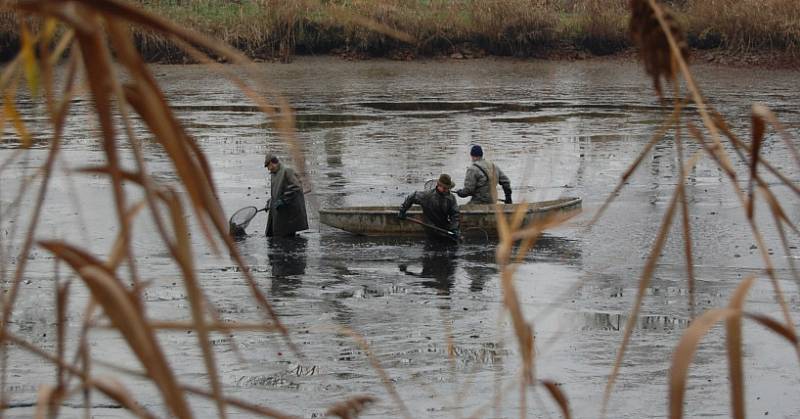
[{"x": 383, "y": 221}]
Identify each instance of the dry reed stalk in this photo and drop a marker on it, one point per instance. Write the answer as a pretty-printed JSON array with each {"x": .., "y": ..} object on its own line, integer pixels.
[
  {"x": 662, "y": 52},
  {"x": 779, "y": 216},
  {"x": 202, "y": 199},
  {"x": 62, "y": 300},
  {"x": 658, "y": 136},
  {"x": 350, "y": 408},
  {"x": 284, "y": 124},
  {"x": 230, "y": 401},
  {"x": 112, "y": 390},
  {"x": 762, "y": 112},
  {"x": 684, "y": 352},
  {"x": 376, "y": 365},
  {"x": 58, "y": 121},
  {"x": 715, "y": 152},
  {"x": 740, "y": 145},
  {"x": 183, "y": 256},
  {"x": 558, "y": 396},
  {"x": 685, "y": 219},
  {"x": 124, "y": 310},
  {"x": 644, "y": 281},
  {"x": 733, "y": 337},
  {"x": 654, "y": 31}
]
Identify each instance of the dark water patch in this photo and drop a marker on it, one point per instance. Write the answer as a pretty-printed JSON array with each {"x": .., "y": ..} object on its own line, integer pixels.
[
  {"x": 305, "y": 122},
  {"x": 622, "y": 107},
  {"x": 602, "y": 138},
  {"x": 280, "y": 380},
  {"x": 221, "y": 108},
  {"x": 430, "y": 115},
  {"x": 93, "y": 406},
  {"x": 205, "y": 125},
  {"x": 348, "y": 375},
  {"x": 544, "y": 119},
  {"x": 616, "y": 322},
  {"x": 14, "y": 143},
  {"x": 486, "y": 354},
  {"x": 162, "y": 294},
  {"x": 20, "y": 388},
  {"x": 350, "y": 354},
  {"x": 440, "y": 106}
]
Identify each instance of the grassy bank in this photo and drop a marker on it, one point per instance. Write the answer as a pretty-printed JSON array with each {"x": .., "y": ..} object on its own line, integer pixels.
[{"x": 280, "y": 28}]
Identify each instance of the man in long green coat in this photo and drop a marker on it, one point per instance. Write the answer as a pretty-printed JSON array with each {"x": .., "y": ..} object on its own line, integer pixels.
[{"x": 287, "y": 205}]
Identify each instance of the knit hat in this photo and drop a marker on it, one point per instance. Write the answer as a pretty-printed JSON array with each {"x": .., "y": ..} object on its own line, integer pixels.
[
  {"x": 445, "y": 180},
  {"x": 476, "y": 151}
]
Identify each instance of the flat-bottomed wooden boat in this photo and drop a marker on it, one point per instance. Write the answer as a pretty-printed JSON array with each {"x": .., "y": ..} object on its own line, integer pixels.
[{"x": 383, "y": 221}]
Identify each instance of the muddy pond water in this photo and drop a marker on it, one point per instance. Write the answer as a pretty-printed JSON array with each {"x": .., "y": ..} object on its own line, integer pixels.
[{"x": 374, "y": 131}]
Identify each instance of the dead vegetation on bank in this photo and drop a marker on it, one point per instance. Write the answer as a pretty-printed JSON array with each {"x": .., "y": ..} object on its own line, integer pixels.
[
  {"x": 278, "y": 29},
  {"x": 87, "y": 31}
]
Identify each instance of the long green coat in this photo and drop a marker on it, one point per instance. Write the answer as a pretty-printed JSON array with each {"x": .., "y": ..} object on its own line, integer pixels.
[{"x": 291, "y": 216}]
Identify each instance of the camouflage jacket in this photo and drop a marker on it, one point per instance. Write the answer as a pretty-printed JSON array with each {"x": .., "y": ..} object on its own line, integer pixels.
[
  {"x": 478, "y": 182},
  {"x": 440, "y": 210}
]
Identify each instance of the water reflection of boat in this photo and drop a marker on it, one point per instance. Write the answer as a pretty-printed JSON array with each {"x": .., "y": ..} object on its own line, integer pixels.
[{"x": 383, "y": 221}]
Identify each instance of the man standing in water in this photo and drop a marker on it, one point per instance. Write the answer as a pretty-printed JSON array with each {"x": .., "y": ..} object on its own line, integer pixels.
[
  {"x": 439, "y": 207},
  {"x": 287, "y": 205},
  {"x": 480, "y": 180}
]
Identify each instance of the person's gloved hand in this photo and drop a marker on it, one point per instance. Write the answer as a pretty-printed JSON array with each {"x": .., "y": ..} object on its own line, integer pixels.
[
  {"x": 280, "y": 203},
  {"x": 508, "y": 199},
  {"x": 401, "y": 214},
  {"x": 455, "y": 234},
  {"x": 461, "y": 193}
]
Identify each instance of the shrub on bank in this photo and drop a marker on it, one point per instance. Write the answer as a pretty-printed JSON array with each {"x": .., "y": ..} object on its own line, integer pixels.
[{"x": 280, "y": 28}]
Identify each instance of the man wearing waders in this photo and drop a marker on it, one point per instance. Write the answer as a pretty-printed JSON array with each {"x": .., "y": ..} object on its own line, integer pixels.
[
  {"x": 287, "y": 205},
  {"x": 480, "y": 180},
  {"x": 439, "y": 208}
]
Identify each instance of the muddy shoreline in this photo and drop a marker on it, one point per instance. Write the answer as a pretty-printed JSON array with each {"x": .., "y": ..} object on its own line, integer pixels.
[{"x": 566, "y": 53}]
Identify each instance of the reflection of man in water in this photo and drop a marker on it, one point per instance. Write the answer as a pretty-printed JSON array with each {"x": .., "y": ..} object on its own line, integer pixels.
[
  {"x": 438, "y": 265},
  {"x": 480, "y": 267},
  {"x": 287, "y": 257}
]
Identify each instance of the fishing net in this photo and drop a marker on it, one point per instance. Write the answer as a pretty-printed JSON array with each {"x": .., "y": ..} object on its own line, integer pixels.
[
  {"x": 240, "y": 219},
  {"x": 431, "y": 184}
]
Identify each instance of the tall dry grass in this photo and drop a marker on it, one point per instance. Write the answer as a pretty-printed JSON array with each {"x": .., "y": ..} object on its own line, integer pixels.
[
  {"x": 745, "y": 25},
  {"x": 87, "y": 31},
  {"x": 281, "y": 28}
]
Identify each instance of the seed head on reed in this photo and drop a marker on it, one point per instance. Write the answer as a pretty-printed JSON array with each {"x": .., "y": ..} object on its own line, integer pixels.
[{"x": 654, "y": 50}]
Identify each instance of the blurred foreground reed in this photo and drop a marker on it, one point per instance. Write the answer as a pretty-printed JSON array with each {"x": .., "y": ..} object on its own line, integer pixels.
[{"x": 101, "y": 60}]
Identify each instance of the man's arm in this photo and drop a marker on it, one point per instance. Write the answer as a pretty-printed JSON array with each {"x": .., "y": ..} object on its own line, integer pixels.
[
  {"x": 455, "y": 216},
  {"x": 410, "y": 200},
  {"x": 503, "y": 180},
  {"x": 293, "y": 186},
  {"x": 470, "y": 183}
]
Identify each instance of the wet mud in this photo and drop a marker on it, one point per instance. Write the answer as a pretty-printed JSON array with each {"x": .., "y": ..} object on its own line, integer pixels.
[{"x": 432, "y": 315}]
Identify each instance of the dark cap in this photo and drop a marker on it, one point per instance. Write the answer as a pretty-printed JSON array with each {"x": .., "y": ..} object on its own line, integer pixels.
[
  {"x": 476, "y": 151},
  {"x": 445, "y": 180},
  {"x": 270, "y": 158}
]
